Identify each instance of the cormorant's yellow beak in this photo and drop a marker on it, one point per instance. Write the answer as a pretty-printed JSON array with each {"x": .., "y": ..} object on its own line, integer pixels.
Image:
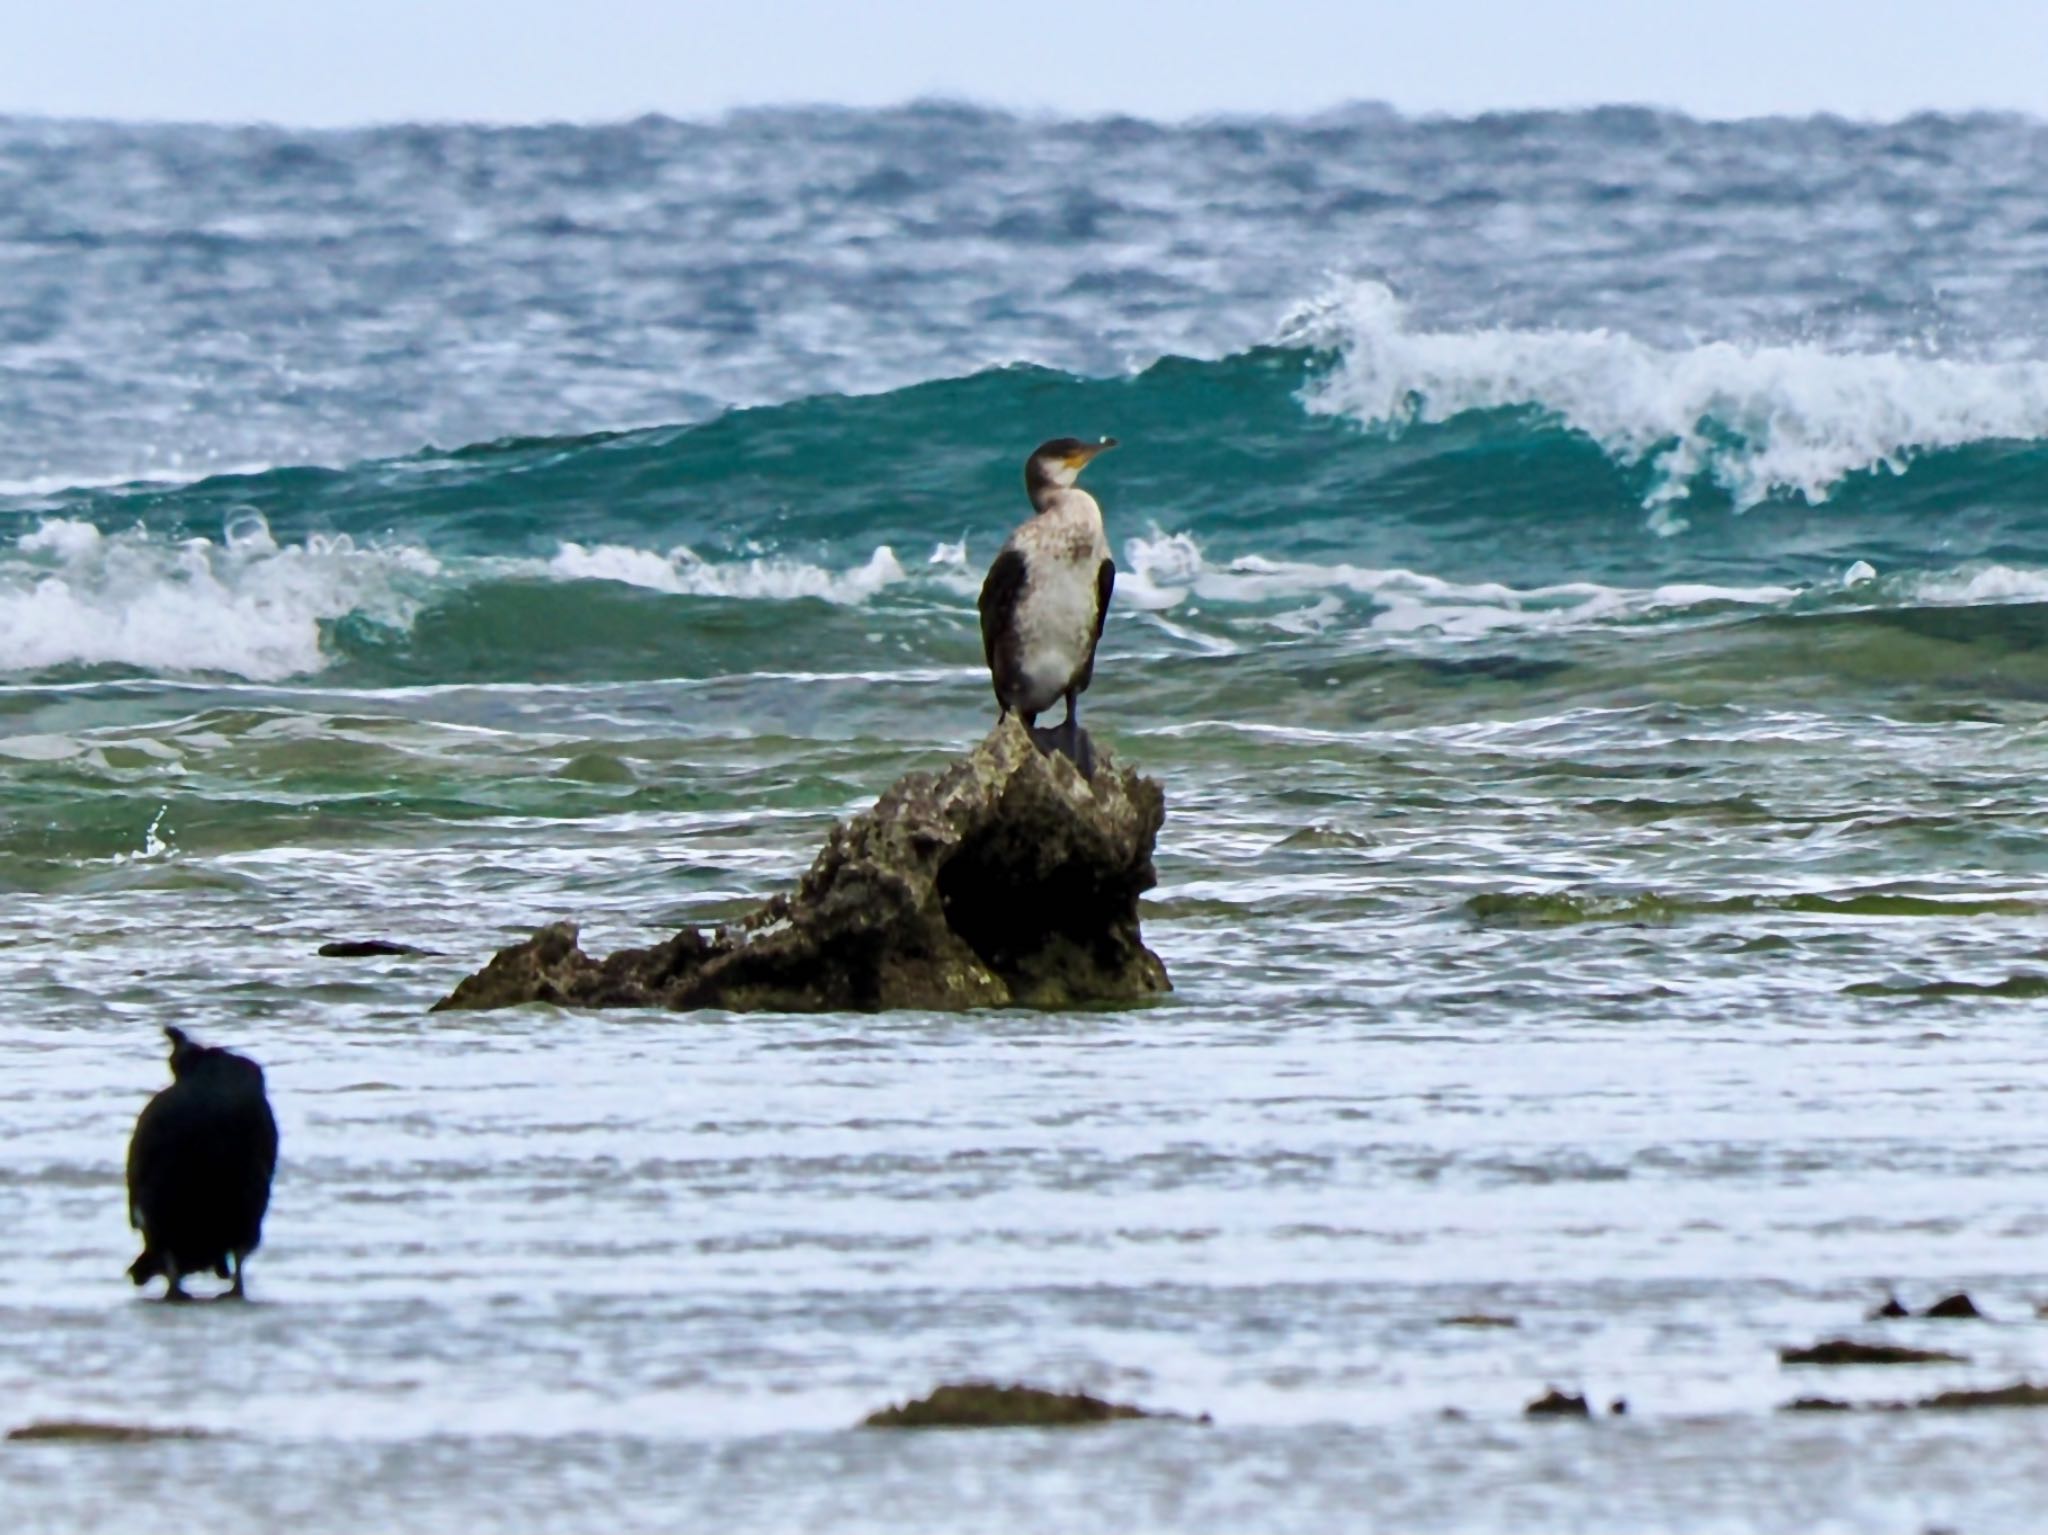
[{"x": 1077, "y": 460}]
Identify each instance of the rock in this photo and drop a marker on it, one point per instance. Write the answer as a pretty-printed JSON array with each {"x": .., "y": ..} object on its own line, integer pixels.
[
  {"x": 1008, "y": 879},
  {"x": 1477, "y": 1319},
  {"x": 366, "y": 948},
  {"x": 81, "y": 1431},
  {"x": 2020, "y": 1394},
  {"x": 1555, "y": 1404},
  {"x": 1847, "y": 1351},
  {"x": 983, "y": 1404},
  {"x": 1618, "y": 1408},
  {"x": 1891, "y": 1308},
  {"x": 597, "y": 767},
  {"x": 1958, "y": 1305}
]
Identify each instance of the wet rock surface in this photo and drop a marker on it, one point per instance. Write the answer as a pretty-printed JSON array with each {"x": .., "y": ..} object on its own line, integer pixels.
[
  {"x": 1007, "y": 879},
  {"x": 367, "y": 948},
  {"x": 84, "y": 1431},
  {"x": 1848, "y": 1351},
  {"x": 1956, "y": 1307},
  {"x": 2019, "y": 1394},
  {"x": 1556, "y": 1404},
  {"x": 982, "y": 1404}
]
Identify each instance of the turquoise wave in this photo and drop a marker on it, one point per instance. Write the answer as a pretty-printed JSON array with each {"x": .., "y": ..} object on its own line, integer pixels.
[
  {"x": 1250, "y": 505},
  {"x": 1210, "y": 447}
]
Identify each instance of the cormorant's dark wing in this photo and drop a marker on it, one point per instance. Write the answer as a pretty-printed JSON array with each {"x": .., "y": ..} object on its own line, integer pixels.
[
  {"x": 1105, "y": 583},
  {"x": 1000, "y": 594},
  {"x": 248, "y": 1130},
  {"x": 265, "y": 1139},
  {"x": 157, "y": 1129}
]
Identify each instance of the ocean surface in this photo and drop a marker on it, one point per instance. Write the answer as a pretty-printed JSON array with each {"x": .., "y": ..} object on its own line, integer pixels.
[{"x": 1584, "y": 588}]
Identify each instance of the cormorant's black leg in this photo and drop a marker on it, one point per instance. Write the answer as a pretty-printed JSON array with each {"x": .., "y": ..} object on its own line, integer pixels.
[
  {"x": 175, "y": 1290},
  {"x": 1080, "y": 750},
  {"x": 235, "y": 1290}
]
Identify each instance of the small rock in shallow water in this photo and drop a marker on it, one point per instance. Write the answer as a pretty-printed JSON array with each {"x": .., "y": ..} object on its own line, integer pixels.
[
  {"x": 1555, "y": 1404},
  {"x": 365, "y": 948},
  {"x": 597, "y": 768},
  {"x": 81, "y": 1431},
  {"x": 1618, "y": 1408},
  {"x": 1892, "y": 1307},
  {"x": 1477, "y": 1319},
  {"x": 983, "y": 1404},
  {"x": 1956, "y": 1306},
  {"x": 2019, "y": 1394},
  {"x": 1848, "y": 1351}
]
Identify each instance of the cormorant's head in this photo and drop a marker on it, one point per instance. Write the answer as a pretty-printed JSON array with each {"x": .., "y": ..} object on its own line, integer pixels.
[
  {"x": 1057, "y": 464},
  {"x": 183, "y": 1049}
]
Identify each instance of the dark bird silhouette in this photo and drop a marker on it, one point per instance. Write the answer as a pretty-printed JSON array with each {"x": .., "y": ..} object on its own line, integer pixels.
[
  {"x": 1046, "y": 596},
  {"x": 199, "y": 1168}
]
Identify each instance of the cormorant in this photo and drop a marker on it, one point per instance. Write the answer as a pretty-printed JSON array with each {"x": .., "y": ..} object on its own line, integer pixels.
[
  {"x": 199, "y": 1168},
  {"x": 1046, "y": 596}
]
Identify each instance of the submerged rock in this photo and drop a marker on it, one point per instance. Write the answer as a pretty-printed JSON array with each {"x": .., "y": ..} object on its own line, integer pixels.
[
  {"x": 1892, "y": 1307},
  {"x": 1956, "y": 1307},
  {"x": 1555, "y": 1404},
  {"x": 983, "y": 1404},
  {"x": 2019, "y": 1394},
  {"x": 84, "y": 1431},
  {"x": 1007, "y": 879},
  {"x": 1848, "y": 1351},
  {"x": 367, "y": 948}
]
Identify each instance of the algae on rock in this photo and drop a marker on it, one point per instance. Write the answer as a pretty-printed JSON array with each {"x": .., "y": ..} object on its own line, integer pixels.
[
  {"x": 1007, "y": 879},
  {"x": 983, "y": 1404}
]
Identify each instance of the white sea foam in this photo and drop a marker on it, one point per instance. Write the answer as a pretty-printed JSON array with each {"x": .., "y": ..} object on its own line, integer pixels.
[
  {"x": 1976, "y": 586},
  {"x": 1756, "y": 420},
  {"x": 683, "y": 572},
  {"x": 1166, "y": 569},
  {"x": 244, "y": 606}
]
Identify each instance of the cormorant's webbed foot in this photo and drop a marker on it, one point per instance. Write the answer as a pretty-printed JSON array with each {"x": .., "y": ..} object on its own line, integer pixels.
[
  {"x": 1081, "y": 752},
  {"x": 1067, "y": 739}
]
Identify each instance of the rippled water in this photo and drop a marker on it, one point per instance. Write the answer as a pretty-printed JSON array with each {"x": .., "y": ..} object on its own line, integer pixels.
[{"x": 1603, "y": 878}]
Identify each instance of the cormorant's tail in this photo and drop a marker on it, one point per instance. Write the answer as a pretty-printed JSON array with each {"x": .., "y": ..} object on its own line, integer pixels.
[{"x": 146, "y": 1267}]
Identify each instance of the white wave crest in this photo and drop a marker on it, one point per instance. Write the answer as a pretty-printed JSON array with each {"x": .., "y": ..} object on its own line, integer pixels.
[
  {"x": 685, "y": 573},
  {"x": 1973, "y": 586},
  {"x": 71, "y": 595},
  {"x": 1758, "y": 420},
  {"x": 1168, "y": 568}
]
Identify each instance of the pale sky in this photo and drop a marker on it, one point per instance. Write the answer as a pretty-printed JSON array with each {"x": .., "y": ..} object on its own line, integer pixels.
[{"x": 333, "y": 62}]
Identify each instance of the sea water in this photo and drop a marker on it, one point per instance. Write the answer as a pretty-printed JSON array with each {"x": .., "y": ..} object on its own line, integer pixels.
[{"x": 1583, "y": 585}]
